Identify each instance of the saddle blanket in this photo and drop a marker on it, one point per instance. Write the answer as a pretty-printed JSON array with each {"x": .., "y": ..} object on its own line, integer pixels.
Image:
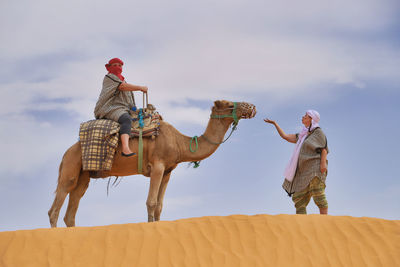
[{"x": 99, "y": 139}]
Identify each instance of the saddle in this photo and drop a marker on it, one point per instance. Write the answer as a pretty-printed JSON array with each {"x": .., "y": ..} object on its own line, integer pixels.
[
  {"x": 99, "y": 138},
  {"x": 147, "y": 120}
]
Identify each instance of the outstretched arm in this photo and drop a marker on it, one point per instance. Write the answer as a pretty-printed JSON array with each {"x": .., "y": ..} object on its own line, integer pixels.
[
  {"x": 131, "y": 87},
  {"x": 288, "y": 137}
]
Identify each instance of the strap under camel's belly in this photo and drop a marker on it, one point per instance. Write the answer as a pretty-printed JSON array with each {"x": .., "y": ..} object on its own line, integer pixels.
[{"x": 140, "y": 152}]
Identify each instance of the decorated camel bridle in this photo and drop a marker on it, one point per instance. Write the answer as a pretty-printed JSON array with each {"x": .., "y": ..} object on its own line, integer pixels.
[{"x": 215, "y": 116}]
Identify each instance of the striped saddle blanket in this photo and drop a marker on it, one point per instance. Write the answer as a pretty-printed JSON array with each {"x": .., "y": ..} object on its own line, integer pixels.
[{"x": 99, "y": 138}]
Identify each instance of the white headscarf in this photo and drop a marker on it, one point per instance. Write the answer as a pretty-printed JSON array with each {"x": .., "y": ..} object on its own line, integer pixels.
[{"x": 292, "y": 165}]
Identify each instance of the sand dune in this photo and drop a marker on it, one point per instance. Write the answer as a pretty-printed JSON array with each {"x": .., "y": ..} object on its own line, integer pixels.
[{"x": 237, "y": 240}]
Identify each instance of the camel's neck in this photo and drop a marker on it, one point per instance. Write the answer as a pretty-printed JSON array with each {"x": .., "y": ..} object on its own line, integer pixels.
[{"x": 215, "y": 133}]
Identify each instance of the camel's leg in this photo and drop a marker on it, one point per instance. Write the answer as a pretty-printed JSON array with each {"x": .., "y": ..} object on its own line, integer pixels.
[
  {"x": 74, "y": 198},
  {"x": 55, "y": 208},
  {"x": 157, "y": 172},
  {"x": 161, "y": 193},
  {"x": 68, "y": 175},
  {"x": 66, "y": 183}
]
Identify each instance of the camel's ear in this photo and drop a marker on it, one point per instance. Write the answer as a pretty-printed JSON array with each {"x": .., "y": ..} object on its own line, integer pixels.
[{"x": 218, "y": 104}]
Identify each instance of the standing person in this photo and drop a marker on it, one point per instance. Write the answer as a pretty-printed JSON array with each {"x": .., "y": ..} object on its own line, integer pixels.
[
  {"x": 306, "y": 172},
  {"x": 116, "y": 100}
]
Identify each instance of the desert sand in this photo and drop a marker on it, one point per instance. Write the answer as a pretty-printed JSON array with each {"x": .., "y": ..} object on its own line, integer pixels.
[{"x": 237, "y": 240}]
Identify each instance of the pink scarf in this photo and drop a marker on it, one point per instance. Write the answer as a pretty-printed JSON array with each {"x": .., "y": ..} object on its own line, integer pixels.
[{"x": 290, "y": 170}]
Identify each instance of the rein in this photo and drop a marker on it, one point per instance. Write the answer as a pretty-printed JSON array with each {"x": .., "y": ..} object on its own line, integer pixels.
[{"x": 216, "y": 143}]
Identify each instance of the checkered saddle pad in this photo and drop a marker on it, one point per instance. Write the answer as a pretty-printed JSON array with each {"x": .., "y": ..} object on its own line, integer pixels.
[{"x": 99, "y": 138}]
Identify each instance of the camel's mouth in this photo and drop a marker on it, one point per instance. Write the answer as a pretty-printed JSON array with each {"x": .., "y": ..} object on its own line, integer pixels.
[{"x": 248, "y": 110}]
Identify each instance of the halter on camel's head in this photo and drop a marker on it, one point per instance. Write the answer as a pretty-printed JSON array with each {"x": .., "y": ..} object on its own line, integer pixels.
[
  {"x": 226, "y": 110},
  {"x": 235, "y": 110}
]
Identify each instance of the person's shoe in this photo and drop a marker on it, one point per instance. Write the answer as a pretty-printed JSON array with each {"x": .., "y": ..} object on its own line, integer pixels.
[{"x": 127, "y": 155}]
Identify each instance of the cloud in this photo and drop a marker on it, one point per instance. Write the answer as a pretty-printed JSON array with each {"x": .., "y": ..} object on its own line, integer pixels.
[
  {"x": 77, "y": 24},
  {"x": 28, "y": 144},
  {"x": 228, "y": 67},
  {"x": 210, "y": 52}
]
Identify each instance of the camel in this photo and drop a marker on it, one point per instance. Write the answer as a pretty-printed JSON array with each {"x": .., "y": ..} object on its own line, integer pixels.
[{"x": 161, "y": 155}]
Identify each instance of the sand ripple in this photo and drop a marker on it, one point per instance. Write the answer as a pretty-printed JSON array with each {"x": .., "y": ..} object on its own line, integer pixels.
[{"x": 237, "y": 240}]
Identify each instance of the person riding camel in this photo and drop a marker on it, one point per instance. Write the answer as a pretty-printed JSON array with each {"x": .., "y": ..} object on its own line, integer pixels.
[{"x": 116, "y": 100}]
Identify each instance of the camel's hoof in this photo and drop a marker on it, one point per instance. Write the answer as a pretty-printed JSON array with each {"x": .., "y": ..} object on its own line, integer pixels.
[{"x": 150, "y": 218}]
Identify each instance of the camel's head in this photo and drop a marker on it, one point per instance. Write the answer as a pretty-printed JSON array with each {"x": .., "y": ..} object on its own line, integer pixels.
[{"x": 234, "y": 110}]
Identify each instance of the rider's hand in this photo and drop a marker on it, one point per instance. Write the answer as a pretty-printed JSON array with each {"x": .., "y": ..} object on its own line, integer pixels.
[{"x": 144, "y": 89}]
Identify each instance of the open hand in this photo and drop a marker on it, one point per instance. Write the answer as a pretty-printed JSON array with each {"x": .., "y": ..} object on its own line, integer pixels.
[{"x": 269, "y": 121}]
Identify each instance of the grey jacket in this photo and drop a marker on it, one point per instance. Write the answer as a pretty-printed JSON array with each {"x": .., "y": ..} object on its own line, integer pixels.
[
  {"x": 308, "y": 165},
  {"x": 112, "y": 102}
]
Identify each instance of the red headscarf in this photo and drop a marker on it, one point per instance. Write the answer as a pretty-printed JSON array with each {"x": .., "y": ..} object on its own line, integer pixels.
[{"x": 116, "y": 70}]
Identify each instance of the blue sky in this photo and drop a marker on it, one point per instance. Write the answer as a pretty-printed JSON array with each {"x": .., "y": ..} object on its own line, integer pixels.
[{"x": 339, "y": 58}]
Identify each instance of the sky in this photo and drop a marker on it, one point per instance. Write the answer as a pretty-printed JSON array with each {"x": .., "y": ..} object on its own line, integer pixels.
[{"x": 341, "y": 58}]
